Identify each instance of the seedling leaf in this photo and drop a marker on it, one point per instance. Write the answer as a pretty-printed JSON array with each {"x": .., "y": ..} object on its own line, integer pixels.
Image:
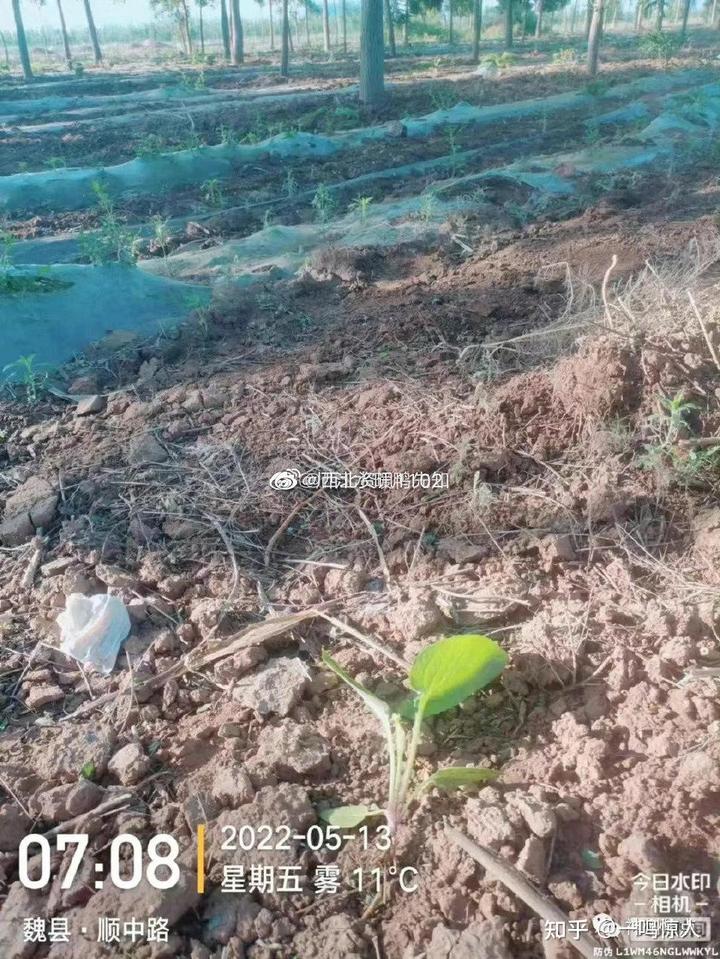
[
  {"x": 88, "y": 770},
  {"x": 348, "y": 817},
  {"x": 454, "y": 777},
  {"x": 454, "y": 668}
]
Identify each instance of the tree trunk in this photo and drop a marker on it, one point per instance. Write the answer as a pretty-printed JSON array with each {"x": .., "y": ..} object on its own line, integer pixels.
[
  {"x": 326, "y": 26},
  {"x": 391, "y": 29},
  {"x": 285, "y": 48},
  {"x": 63, "y": 30},
  {"x": 202, "y": 31},
  {"x": 660, "y": 15},
  {"x": 588, "y": 18},
  {"x": 477, "y": 29},
  {"x": 307, "y": 22},
  {"x": 5, "y": 48},
  {"x": 573, "y": 18},
  {"x": 638, "y": 16},
  {"x": 508, "y": 24},
  {"x": 22, "y": 41},
  {"x": 225, "y": 29},
  {"x": 343, "y": 9},
  {"x": 713, "y": 14},
  {"x": 685, "y": 18},
  {"x": 236, "y": 33},
  {"x": 272, "y": 29},
  {"x": 538, "y": 21},
  {"x": 372, "y": 52},
  {"x": 594, "y": 36},
  {"x": 188, "y": 29},
  {"x": 93, "y": 32},
  {"x": 451, "y": 25},
  {"x": 406, "y": 24}
]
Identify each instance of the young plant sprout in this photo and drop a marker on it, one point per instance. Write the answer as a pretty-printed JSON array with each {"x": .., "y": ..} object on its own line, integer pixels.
[{"x": 442, "y": 676}]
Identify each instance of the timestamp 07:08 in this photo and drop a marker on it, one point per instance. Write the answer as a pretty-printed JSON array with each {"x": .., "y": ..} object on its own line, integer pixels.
[{"x": 128, "y": 862}]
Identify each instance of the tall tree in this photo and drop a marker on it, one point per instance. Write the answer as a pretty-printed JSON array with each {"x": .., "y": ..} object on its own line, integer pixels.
[
  {"x": 391, "y": 29},
  {"x": 22, "y": 41},
  {"x": 343, "y": 10},
  {"x": 326, "y": 26},
  {"x": 372, "y": 52},
  {"x": 236, "y": 33},
  {"x": 685, "y": 18},
  {"x": 65, "y": 38},
  {"x": 225, "y": 29},
  {"x": 93, "y": 31},
  {"x": 594, "y": 36},
  {"x": 477, "y": 28},
  {"x": 451, "y": 25},
  {"x": 285, "y": 42},
  {"x": 201, "y": 4},
  {"x": 659, "y": 15},
  {"x": 539, "y": 18},
  {"x": 508, "y": 24},
  {"x": 272, "y": 26}
]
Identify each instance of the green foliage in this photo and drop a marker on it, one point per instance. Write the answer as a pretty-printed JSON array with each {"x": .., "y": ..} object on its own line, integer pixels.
[
  {"x": 24, "y": 372},
  {"x": 149, "y": 145},
  {"x": 212, "y": 194},
  {"x": 443, "y": 675},
  {"x": 451, "y": 670},
  {"x": 500, "y": 60},
  {"x": 361, "y": 205},
  {"x": 661, "y": 46},
  {"x": 88, "y": 771},
  {"x": 567, "y": 57},
  {"x": 323, "y": 203},
  {"x": 112, "y": 242},
  {"x": 348, "y": 817}
]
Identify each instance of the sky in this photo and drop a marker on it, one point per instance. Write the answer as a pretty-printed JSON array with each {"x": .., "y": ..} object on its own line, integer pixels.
[{"x": 105, "y": 11}]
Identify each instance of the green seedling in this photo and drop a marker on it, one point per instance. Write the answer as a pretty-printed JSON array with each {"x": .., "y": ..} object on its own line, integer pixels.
[
  {"x": 428, "y": 205},
  {"x": 290, "y": 185},
  {"x": 150, "y": 145},
  {"x": 112, "y": 242},
  {"x": 361, "y": 205},
  {"x": 661, "y": 46},
  {"x": 212, "y": 193},
  {"x": 323, "y": 203},
  {"x": 24, "y": 372},
  {"x": 442, "y": 676}
]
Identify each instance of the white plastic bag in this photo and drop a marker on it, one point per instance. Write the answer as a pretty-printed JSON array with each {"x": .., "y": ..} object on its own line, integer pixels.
[{"x": 93, "y": 629}]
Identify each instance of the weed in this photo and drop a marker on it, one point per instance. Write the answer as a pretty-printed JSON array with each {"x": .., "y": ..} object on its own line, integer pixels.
[
  {"x": 56, "y": 163},
  {"x": 323, "y": 203},
  {"x": 566, "y": 56},
  {"x": 500, "y": 60},
  {"x": 291, "y": 184},
  {"x": 597, "y": 87},
  {"x": 442, "y": 676},
  {"x": 161, "y": 234},
  {"x": 592, "y": 132},
  {"x": 79, "y": 70},
  {"x": 228, "y": 137},
  {"x": 149, "y": 145},
  {"x": 361, "y": 205},
  {"x": 112, "y": 242},
  {"x": 661, "y": 46},
  {"x": 24, "y": 372},
  {"x": 212, "y": 193},
  {"x": 428, "y": 206}
]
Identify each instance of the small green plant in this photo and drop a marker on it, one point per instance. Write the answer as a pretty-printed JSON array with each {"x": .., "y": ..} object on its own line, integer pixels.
[
  {"x": 661, "y": 46},
  {"x": 56, "y": 163},
  {"x": 428, "y": 206},
  {"x": 79, "y": 70},
  {"x": 500, "y": 60},
  {"x": 360, "y": 205},
  {"x": 290, "y": 185},
  {"x": 150, "y": 145},
  {"x": 212, "y": 193},
  {"x": 24, "y": 372},
  {"x": 323, "y": 203},
  {"x": 161, "y": 234},
  {"x": 592, "y": 132},
  {"x": 442, "y": 676},
  {"x": 112, "y": 242},
  {"x": 228, "y": 137},
  {"x": 597, "y": 87},
  {"x": 567, "y": 56}
]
